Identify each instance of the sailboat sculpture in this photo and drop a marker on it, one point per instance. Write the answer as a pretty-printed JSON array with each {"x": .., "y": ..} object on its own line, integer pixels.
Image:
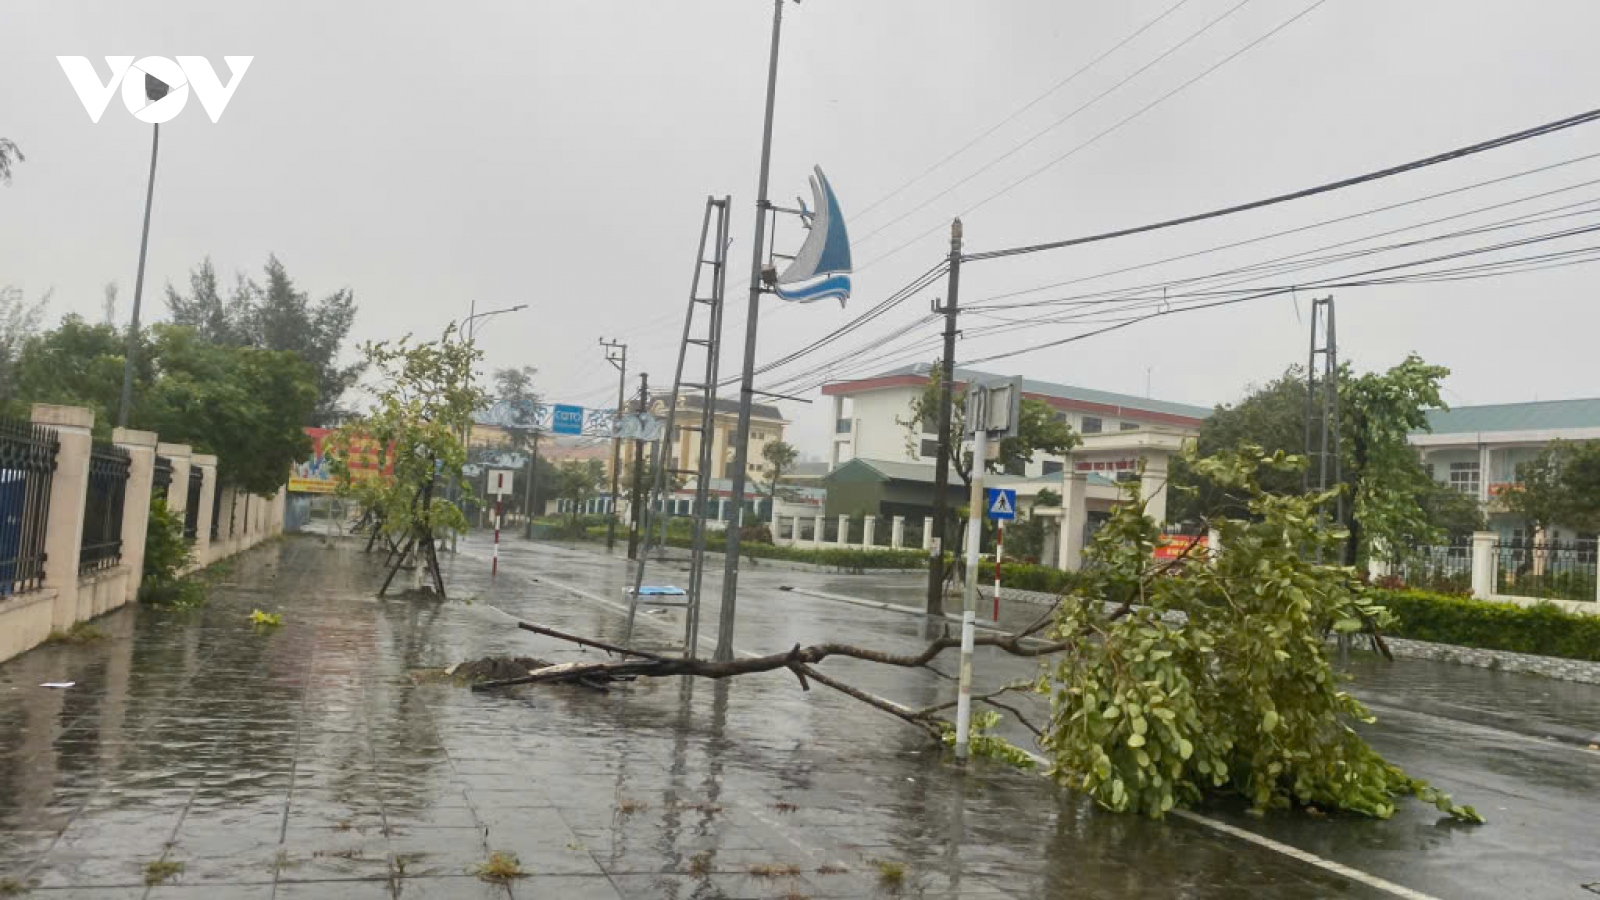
[{"x": 822, "y": 268}]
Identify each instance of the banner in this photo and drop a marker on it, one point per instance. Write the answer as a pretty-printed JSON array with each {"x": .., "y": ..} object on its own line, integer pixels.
[
  {"x": 315, "y": 476},
  {"x": 1173, "y": 546}
]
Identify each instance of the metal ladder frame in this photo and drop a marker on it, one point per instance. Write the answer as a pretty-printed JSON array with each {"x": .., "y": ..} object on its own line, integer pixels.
[{"x": 711, "y": 343}]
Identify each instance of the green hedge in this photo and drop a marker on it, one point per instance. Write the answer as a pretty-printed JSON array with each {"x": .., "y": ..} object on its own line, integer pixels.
[
  {"x": 1027, "y": 577},
  {"x": 1545, "y": 629}
]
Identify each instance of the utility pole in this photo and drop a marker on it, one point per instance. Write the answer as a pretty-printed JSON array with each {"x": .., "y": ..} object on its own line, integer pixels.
[
  {"x": 528, "y": 495},
  {"x": 741, "y": 449},
  {"x": 977, "y": 421},
  {"x": 638, "y": 468},
  {"x": 941, "y": 466},
  {"x": 617, "y": 355},
  {"x": 154, "y": 89},
  {"x": 1322, "y": 424}
]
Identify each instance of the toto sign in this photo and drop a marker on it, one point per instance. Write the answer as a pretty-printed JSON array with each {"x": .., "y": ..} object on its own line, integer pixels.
[{"x": 179, "y": 77}]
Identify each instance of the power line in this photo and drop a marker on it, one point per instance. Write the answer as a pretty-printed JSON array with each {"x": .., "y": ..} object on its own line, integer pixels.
[
  {"x": 1448, "y": 156},
  {"x": 1297, "y": 229},
  {"x": 1352, "y": 280},
  {"x": 1058, "y": 122},
  {"x": 1022, "y": 109}
]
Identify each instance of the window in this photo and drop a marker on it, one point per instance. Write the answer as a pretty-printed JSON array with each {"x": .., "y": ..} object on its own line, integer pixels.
[
  {"x": 1051, "y": 467},
  {"x": 1130, "y": 426},
  {"x": 1060, "y": 417},
  {"x": 1464, "y": 477},
  {"x": 1091, "y": 425},
  {"x": 930, "y": 448},
  {"x": 1017, "y": 467},
  {"x": 1126, "y": 476},
  {"x": 841, "y": 427},
  {"x": 930, "y": 424}
]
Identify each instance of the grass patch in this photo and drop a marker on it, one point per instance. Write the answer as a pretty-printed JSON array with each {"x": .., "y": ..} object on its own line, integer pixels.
[
  {"x": 265, "y": 619},
  {"x": 81, "y": 633},
  {"x": 775, "y": 870},
  {"x": 500, "y": 868},
  {"x": 890, "y": 873},
  {"x": 158, "y": 871}
]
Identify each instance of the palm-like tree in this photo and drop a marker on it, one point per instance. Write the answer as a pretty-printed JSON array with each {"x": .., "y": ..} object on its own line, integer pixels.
[{"x": 9, "y": 153}]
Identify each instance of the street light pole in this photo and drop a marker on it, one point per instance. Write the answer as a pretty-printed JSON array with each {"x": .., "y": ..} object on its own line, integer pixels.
[
  {"x": 154, "y": 89},
  {"x": 741, "y": 449},
  {"x": 468, "y": 331}
]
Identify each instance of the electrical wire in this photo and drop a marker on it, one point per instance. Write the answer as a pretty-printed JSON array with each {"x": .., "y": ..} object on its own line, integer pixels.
[{"x": 1448, "y": 156}]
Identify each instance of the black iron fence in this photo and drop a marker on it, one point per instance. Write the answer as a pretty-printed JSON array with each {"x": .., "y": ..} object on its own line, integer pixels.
[
  {"x": 1562, "y": 570},
  {"x": 191, "y": 512},
  {"x": 101, "y": 547},
  {"x": 1446, "y": 568},
  {"x": 27, "y": 468},
  {"x": 216, "y": 511},
  {"x": 161, "y": 478}
]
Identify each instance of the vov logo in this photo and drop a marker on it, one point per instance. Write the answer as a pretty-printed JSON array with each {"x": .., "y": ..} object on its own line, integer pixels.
[{"x": 152, "y": 106}]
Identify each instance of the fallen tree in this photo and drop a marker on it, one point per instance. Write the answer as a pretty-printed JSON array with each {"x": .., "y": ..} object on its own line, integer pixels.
[{"x": 1170, "y": 681}]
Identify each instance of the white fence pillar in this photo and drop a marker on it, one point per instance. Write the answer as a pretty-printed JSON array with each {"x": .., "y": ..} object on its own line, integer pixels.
[
  {"x": 1074, "y": 518},
  {"x": 927, "y": 533},
  {"x": 1483, "y": 563},
  {"x": 178, "y": 490},
  {"x": 868, "y": 526},
  {"x": 69, "y": 488},
  {"x": 897, "y": 533},
  {"x": 816, "y": 534},
  {"x": 202, "y": 526},
  {"x": 141, "y": 447},
  {"x": 843, "y": 537}
]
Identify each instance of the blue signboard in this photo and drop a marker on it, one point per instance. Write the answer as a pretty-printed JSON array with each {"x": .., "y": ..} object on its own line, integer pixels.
[
  {"x": 1002, "y": 503},
  {"x": 567, "y": 420}
]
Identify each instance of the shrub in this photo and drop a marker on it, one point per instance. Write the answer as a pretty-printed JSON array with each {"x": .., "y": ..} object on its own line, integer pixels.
[
  {"x": 1029, "y": 577},
  {"x": 166, "y": 554},
  {"x": 755, "y": 534},
  {"x": 1545, "y": 629}
]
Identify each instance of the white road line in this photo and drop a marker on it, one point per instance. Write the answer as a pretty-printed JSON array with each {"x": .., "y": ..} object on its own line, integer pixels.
[{"x": 1295, "y": 853}]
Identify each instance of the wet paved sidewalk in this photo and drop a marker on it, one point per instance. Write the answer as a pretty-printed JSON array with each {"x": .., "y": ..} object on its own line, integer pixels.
[{"x": 306, "y": 761}]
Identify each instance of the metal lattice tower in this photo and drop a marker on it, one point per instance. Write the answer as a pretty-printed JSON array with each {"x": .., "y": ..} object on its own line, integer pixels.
[{"x": 711, "y": 270}]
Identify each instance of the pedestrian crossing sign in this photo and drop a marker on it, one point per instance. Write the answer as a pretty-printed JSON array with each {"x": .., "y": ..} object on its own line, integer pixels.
[{"x": 1002, "y": 503}]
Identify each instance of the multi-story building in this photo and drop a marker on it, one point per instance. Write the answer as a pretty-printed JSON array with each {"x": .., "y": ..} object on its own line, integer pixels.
[
  {"x": 766, "y": 427},
  {"x": 870, "y": 414},
  {"x": 1476, "y": 450}
]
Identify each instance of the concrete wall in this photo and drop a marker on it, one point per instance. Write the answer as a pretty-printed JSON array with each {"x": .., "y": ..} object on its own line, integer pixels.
[{"x": 67, "y": 597}]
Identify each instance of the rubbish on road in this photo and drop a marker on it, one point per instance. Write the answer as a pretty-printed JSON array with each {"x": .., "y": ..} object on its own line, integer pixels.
[{"x": 58, "y": 684}]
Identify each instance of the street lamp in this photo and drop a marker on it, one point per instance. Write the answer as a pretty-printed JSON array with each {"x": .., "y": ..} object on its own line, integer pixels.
[
  {"x": 154, "y": 89},
  {"x": 470, "y": 329}
]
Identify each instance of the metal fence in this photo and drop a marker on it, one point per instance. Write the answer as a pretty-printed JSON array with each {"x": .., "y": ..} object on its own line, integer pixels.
[
  {"x": 27, "y": 468},
  {"x": 191, "y": 512},
  {"x": 1553, "y": 570},
  {"x": 216, "y": 510},
  {"x": 1446, "y": 568},
  {"x": 101, "y": 546},
  {"x": 161, "y": 477}
]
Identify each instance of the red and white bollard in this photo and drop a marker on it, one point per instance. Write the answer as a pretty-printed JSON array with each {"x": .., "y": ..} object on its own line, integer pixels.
[
  {"x": 494, "y": 569},
  {"x": 999, "y": 551}
]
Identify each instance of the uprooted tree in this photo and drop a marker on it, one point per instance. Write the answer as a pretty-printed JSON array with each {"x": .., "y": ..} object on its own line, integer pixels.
[
  {"x": 1170, "y": 681},
  {"x": 425, "y": 398}
]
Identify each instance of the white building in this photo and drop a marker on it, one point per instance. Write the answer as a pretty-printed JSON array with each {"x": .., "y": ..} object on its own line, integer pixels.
[
  {"x": 1476, "y": 450},
  {"x": 869, "y": 413}
]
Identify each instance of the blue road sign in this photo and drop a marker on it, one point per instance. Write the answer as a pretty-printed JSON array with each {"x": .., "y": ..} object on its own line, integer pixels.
[
  {"x": 567, "y": 420},
  {"x": 1002, "y": 503}
]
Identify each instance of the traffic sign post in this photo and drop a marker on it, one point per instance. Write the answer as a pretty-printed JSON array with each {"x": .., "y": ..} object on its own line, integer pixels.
[
  {"x": 498, "y": 484},
  {"x": 992, "y": 412},
  {"x": 1002, "y": 505}
]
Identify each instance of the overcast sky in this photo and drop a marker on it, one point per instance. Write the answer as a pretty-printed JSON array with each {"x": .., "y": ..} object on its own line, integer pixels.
[{"x": 558, "y": 154}]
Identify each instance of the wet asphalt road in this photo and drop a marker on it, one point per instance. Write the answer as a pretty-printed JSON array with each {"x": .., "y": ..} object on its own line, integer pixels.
[{"x": 307, "y": 762}]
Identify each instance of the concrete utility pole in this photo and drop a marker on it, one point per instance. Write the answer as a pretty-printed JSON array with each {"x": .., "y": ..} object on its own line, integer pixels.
[
  {"x": 528, "y": 496},
  {"x": 617, "y": 355},
  {"x": 941, "y": 466},
  {"x": 741, "y": 450},
  {"x": 638, "y": 468},
  {"x": 154, "y": 89}
]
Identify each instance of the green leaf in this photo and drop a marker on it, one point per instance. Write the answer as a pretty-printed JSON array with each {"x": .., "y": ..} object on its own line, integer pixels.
[
  {"x": 1135, "y": 740},
  {"x": 1269, "y": 722}
]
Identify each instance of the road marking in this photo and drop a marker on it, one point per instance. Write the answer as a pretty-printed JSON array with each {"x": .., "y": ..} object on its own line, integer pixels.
[{"x": 1043, "y": 764}]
